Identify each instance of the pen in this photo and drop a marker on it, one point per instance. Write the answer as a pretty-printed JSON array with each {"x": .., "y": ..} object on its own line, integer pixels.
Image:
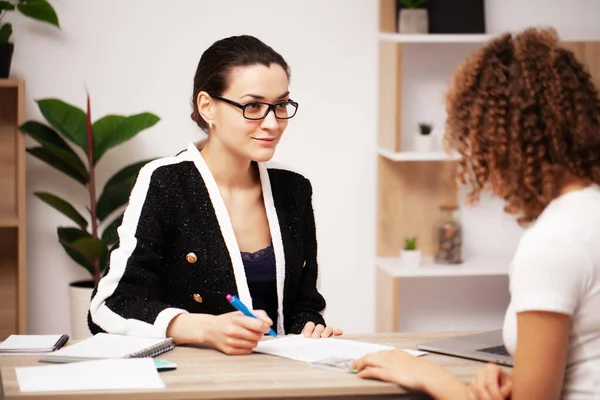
[{"x": 241, "y": 307}]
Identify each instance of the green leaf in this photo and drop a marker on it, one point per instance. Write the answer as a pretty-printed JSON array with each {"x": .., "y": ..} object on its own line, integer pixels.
[
  {"x": 39, "y": 10},
  {"x": 64, "y": 207},
  {"x": 50, "y": 140},
  {"x": 69, "y": 235},
  {"x": 5, "y": 32},
  {"x": 117, "y": 189},
  {"x": 65, "y": 118},
  {"x": 110, "y": 235},
  {"x": 113, "y": 130},
  {"x": 90, "y": 248},
  {"x": 6, "y": 5},
  {"x": 55, "y": 161}
]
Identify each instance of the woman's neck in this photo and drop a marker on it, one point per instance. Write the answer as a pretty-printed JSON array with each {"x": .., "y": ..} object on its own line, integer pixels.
[
  {"x": 228, "y": 170},
  {"x": 570, "y": 183}
]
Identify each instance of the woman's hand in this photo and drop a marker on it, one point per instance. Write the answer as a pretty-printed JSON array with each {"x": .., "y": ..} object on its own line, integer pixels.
[
  {"x": 490, "y": 383},
  {"x": 319, "y": 331},
  {"x": 232, "y": 333},
  {"x": 396, "y": 366}
]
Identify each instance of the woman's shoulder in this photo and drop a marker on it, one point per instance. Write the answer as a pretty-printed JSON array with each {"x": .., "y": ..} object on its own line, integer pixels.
[{"x": 167, "y": 168}]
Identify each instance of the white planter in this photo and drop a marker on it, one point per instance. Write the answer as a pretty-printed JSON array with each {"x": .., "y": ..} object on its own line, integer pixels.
[
  {"x": 410, "y": 258},
  {"x": 423, "y": 143},
  {"x": 79, "y": 304},
  {"x": 413, "y": 20}
]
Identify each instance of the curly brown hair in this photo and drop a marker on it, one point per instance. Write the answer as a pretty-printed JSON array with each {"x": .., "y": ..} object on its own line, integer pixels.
[{"x": 522, "y": 112}]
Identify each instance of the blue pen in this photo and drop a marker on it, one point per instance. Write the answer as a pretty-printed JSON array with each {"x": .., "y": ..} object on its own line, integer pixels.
[{"x": 241, "y": 307}]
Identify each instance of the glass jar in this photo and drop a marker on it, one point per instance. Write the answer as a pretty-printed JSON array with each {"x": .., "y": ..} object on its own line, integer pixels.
[{"x": 449, "y": 236}]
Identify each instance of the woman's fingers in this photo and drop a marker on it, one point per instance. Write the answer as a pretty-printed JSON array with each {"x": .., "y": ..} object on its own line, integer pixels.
[
  {"x": 308, "y": 329},
  {"x": 318, "y": 331}
]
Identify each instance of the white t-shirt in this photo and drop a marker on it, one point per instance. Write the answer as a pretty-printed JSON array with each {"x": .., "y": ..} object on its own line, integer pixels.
[{"x": 557, "y": 268}]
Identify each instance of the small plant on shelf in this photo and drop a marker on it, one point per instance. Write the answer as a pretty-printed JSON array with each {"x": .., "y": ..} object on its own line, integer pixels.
[
  {"x": 425, "y": 128},
  {"x": 410, "y": 255},
  {"x": 412, "y": 3},
  {"x": 410, "y": 243},
  {"x": 412, "y": 16},
  {"x": 424, "y": 140},
  {"x": 40, "y": 10}
]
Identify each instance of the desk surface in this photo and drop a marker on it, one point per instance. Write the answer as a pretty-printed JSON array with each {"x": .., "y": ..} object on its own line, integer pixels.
[{"x": 208, "y": 374}]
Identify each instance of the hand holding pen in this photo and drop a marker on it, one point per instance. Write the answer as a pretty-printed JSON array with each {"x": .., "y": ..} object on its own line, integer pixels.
[{"x": 235, "y": 333}]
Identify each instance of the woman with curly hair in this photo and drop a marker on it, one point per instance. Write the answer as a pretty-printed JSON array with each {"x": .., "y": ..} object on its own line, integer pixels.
[{"x": 524, "y": 115}]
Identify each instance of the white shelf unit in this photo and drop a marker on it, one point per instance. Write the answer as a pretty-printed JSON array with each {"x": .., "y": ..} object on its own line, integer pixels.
[
  {"x": 433, "y": 38},
  {"x": 416, "y": 156},
  {"x": 473, "y": 267}
]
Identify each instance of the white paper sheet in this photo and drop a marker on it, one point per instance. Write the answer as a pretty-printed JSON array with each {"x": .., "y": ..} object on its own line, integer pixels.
[
  {"x": 28, "y": 342},
  {"x": 311, "y": 350},
  {"x": 110, "y": 374}
]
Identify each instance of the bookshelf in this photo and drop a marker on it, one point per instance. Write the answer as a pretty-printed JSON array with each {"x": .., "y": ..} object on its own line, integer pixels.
[
  {"x": 412, "y": 185},
  {"x": 12, "y": 209}
]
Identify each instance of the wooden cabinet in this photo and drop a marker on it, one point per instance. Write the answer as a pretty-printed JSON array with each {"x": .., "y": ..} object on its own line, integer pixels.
[{"x": 13, "y": 281}]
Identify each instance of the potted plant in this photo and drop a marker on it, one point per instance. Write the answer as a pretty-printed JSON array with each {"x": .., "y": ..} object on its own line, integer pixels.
[
  {"x": 424, "y": 140},
  {"x": 412, "y": 17},
  {"x": 39, "y": 10},
  {"x": 88, "y": 242},
  {"x": 410, "y": 255}
]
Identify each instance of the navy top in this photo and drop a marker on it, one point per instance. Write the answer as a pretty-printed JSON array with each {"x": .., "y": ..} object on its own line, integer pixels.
[{"x": 262, "y": 280}]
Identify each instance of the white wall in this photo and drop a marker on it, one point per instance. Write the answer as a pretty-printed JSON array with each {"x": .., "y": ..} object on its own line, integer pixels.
[{"x": 140, "y": 55}]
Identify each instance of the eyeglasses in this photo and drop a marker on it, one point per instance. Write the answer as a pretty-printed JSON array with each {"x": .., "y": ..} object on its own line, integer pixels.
[{"x": 258, "y": 110}]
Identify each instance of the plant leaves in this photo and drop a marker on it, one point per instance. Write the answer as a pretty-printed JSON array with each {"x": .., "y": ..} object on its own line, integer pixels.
[
  {"x": 69, "y": 235},
  {"x": 64, "y": 207},
  {"x": 117, "y": 189},
  {"x": 55, "y": 161},
  {"x": 113, "y": 130},
  {"x": 90, "y": 248},
  {"x": 50, "y": 140},
  {"x": 82, "y": 248},
  {"x": 39, "y": 10},
  {"x": 5, "y": 32},
  {"x": 6, "y": 5},
  {"x": 110, "y": 235},
  {"x": 65, "y": 118}
]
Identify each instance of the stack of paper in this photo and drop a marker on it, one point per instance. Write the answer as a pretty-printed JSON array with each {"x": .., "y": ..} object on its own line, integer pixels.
[
  {"x": 111, "y": 374},
  {"x": 19, "y": 344},
  {"x": 325, "y": 352}
]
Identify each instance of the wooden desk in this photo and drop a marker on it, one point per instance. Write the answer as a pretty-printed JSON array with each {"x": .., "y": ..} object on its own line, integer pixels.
[{"x": 208, "y": 374}]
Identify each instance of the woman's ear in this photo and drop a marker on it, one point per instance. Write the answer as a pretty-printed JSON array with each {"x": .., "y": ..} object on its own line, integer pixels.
[{"x": 205, "y": 106}]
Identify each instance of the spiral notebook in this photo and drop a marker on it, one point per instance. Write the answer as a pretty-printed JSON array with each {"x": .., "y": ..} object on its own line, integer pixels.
[{"x": 106, "y": 345}]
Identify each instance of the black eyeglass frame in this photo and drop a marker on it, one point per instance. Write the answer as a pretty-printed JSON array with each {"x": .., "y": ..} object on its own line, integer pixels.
[{"x": 269, "y": 108}]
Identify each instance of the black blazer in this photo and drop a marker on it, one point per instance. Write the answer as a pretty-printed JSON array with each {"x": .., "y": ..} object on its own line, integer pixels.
[{"x": 177, "y": 251}]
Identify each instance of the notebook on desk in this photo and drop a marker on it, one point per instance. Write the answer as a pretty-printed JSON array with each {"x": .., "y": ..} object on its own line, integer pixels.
[
  {"x": 105, "y": 345},
  {"x": 31, "y": 344}
]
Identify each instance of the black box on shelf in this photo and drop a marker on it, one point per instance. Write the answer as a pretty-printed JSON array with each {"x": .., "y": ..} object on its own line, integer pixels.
[{"x": 454, "y": 16}]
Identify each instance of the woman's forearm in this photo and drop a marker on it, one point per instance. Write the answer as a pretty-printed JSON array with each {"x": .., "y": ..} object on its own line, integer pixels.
[
  {"x": 190, "y": 328},
  {"x": 445, "y": 386}
]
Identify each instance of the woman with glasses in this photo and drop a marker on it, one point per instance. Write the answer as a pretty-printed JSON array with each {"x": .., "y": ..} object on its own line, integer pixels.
[
  {"x": 216, "y": 220},
  {"x": 524, "y": 114}
]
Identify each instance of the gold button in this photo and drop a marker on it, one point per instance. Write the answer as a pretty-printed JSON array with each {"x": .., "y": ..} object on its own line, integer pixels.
[
  {"x": 191, "y": 258},
  {"x": 197, "y": 298}
]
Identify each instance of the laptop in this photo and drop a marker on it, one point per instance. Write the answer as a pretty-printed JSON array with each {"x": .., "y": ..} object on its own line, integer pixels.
[{"x": 487, "y": 346}]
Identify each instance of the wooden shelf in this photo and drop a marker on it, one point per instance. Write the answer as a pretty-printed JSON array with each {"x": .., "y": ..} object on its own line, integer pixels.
[
  {"x": 434, "y": 38},
  {"x": 8, "y": 222},
  {"x": 9, "y": 83},
  {"x": 13, "y": 278},
  {"x": 416, "y": 156},
  {"x": 476, "y": 267}
]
